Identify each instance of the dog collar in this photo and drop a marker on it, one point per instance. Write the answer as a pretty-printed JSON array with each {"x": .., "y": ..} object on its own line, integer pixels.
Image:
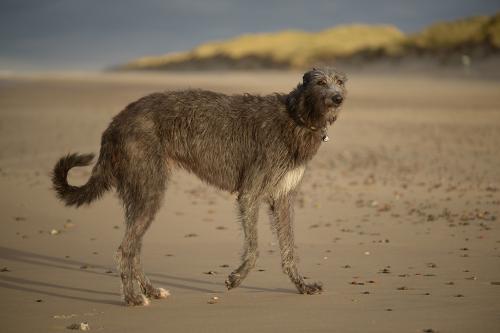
[{"x": 324, "y": 136}]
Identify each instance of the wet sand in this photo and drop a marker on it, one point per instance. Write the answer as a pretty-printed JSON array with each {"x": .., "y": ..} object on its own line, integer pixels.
[{"x": 398, "y": 215}]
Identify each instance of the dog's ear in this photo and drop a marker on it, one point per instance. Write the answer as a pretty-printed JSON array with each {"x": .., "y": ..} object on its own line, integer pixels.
[{"x": 307, "y": 76}]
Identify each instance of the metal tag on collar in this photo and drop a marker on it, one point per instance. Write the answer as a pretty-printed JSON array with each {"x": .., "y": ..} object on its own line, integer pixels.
[{"x": 325, "y": 137}]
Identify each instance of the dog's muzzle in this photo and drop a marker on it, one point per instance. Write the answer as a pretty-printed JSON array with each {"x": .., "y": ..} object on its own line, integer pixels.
[{"x": 337, "y": 99}]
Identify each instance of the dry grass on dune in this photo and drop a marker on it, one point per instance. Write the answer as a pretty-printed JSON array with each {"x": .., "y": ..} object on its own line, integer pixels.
[{"x": 299, "y": 49}]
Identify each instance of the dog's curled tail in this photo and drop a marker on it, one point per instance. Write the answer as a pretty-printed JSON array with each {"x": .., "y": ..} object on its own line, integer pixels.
[{"x": 98, "y": 183}]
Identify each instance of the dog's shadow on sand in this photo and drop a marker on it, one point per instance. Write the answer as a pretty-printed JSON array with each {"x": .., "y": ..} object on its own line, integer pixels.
[{"x": 34, "y": 286}]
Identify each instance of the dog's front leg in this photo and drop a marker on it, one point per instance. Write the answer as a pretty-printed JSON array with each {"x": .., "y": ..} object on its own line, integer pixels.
[
  {"x": 248, "y": 212},
  {"x": 281, "y": 220}
]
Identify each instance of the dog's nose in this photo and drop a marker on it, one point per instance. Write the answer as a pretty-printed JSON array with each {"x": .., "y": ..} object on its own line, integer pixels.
[{"x": 337, "y": 99}]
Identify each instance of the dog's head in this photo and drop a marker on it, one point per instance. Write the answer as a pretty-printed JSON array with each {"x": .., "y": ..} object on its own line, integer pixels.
[{"x": 318, "y": 99}]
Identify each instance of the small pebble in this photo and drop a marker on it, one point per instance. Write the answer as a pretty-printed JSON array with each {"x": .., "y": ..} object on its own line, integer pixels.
[
  {"x": 210, "y": 273},
  {"x": 68, "y": 225},
  {"x": 54, "y": 232},
  {"x": 191, "y": 235},
  {"x": 5, "y": 269}
]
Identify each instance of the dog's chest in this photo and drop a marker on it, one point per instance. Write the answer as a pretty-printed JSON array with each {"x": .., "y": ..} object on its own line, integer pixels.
[{"x": 289, "y": 181}]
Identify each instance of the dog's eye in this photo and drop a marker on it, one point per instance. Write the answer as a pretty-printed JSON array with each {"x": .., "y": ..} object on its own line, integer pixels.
[
  {"x": 321, "y": 83},
  {"x": 340, "y": 82}
]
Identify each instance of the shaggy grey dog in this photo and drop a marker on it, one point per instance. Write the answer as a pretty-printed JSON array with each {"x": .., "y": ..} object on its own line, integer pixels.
[{"x": 255, "y": 146}]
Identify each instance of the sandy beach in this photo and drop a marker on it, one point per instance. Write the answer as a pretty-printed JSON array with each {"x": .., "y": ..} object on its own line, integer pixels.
[{"x": 398, "y": 215}]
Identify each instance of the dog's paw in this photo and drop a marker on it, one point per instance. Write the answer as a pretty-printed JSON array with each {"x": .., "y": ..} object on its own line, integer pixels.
[
  {"x": 233, "y": 280},
  {"x": 312, "y": 289},
  {"x": 137, "y": 300}
]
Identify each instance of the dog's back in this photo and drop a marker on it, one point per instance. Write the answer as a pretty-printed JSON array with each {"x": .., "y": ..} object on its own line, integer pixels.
[{"x": 231, "y": 142}]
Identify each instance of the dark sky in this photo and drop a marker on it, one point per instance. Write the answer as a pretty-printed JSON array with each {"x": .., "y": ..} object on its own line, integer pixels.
[{"x": 93, "y": 34}]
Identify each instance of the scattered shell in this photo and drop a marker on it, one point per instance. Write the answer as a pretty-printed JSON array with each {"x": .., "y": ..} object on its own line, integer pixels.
[
  {"x": 64, "y": 316},
  {"x": 54, "y": 232},
  {"x": 84, "y": 326},
  {"x": 356, "y": 283},
  {"x": 213, "y": 300},
  {"x": 210, "y": 273},
  {"x": 367, "y": 253}
]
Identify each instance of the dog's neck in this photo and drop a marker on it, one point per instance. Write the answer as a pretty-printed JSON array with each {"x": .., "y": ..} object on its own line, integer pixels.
[{"x": 300, "y": 112}]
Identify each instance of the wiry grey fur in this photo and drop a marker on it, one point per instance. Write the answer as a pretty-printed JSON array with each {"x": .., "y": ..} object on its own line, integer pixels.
[{"x": 255, "y": 146}]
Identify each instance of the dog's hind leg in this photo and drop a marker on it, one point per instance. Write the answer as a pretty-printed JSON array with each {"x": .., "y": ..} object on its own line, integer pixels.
[
  {"x": 248, "y": 214},
  {"x": 127, "y": 253},
  {"x": 130, "y": 265},
  {"x": 141, "y": 190},
  {"x": 281, "y": 221},
  {"x": 145, "y": 284}
]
